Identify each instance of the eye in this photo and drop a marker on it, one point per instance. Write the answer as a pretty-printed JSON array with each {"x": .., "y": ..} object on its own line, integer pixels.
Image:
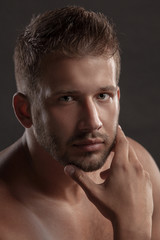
[
  {"x": 66, "y": 99},
  {"x": 103, "y": 96}
]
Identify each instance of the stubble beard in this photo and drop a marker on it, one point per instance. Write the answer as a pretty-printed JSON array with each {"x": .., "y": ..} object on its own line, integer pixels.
[
  {"x": 91, "y": 161},
  {"x": 87, "y": 161}
]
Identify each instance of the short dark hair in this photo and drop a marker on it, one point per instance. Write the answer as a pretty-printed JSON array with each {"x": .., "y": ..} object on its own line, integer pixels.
[{"x": 69, "y": 32}]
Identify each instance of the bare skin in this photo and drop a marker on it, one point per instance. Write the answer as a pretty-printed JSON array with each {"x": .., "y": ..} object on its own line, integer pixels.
[
  {"x": 122, "y": 205},
  {"x": 28, "y": 212},
  {"x": 39, "y": 201}
]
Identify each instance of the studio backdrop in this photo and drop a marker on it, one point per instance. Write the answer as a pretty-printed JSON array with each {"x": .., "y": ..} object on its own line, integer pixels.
[{"x": 138, "y": 26}]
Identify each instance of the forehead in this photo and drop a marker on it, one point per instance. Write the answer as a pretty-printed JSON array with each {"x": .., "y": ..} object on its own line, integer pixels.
[{"x": 81, "y": 74}]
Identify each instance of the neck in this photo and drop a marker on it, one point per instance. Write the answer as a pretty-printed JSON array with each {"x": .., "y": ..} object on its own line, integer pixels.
[{"x": 49, "y": 173}]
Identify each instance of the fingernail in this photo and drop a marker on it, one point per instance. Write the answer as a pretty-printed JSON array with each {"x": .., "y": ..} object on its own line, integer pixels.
[
  {"x": 119, "y": 126},
  {"x": 70, "y": 170}
]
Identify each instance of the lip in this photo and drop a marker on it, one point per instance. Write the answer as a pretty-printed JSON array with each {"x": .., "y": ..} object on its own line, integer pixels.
[{"x": 89, "y": 145}]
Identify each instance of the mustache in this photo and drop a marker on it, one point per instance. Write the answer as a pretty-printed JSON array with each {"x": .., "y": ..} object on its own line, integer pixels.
[{"x": 85, "y": 136}]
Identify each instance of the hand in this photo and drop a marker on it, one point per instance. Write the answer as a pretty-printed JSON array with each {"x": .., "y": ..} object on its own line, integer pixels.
[{"x": 125, "y": 197}]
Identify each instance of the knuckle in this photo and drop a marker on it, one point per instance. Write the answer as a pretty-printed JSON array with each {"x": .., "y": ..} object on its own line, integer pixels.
[
  {"x": 137, "y": 166},
  {"x": 147, "y": 175},
  {"x": 123, "y": 141},
  {"x": 121, "y": 166},
  {"x": 148, "y": 179}
]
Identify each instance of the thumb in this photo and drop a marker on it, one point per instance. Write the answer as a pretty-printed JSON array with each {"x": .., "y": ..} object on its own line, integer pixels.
[{"x": 79, "y": 176}]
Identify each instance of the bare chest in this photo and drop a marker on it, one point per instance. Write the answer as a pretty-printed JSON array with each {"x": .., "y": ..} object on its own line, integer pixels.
[
  {"x": 80, "y": 228},
  {"x": 41, "y": 220},
  {"x": 57, "y": 225},
  {"x": 75, "y": 223}
]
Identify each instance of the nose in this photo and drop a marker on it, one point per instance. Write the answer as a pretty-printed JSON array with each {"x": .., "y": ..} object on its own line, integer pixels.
[{"x": 89, "y": 117}]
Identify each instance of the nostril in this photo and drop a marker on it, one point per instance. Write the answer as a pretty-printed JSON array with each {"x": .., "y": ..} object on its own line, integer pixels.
[
  {"x": 100, "y": 125},
  {"x": 89, "y": 125}
]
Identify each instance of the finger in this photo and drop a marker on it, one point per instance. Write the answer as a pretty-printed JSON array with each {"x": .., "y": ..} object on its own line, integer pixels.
[
  {"x": 121, "y": 149},
  {"x": 133, "y": 159},
  {"x": 133, "y": 156},
  {"x": 83, "y": 180}
]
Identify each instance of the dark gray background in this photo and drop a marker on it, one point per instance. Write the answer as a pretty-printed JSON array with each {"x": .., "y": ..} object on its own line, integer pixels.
[{"x": 138, "y": 26}]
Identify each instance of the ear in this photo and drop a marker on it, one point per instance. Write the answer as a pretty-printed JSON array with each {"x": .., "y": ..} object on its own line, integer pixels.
[
  {"x": 21, "y": 107},
  {"x": 118, "y": 93}
]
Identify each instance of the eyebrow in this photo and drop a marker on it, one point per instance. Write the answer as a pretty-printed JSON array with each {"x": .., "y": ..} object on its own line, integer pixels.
[
  {"x": 61, "y": 92},
  {"x": 68, "y": 92},
  {"x": 109, "y": 88}
]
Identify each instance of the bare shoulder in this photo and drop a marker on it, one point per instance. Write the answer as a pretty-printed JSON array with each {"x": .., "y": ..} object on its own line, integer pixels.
[
  {"x": 9, "y": 210},
  {"x": 8, "y": 161},
  {"x": 148, "y": 162},
  {"x": 17, "y": 221},
  {"x": 150, "y": 166},
  {"x": 10, "y": 169},
  {"x": 145, "y": 158}
]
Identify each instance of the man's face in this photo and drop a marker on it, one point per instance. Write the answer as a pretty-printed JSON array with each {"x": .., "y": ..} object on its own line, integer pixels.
[{"x": 77, "y": 116}]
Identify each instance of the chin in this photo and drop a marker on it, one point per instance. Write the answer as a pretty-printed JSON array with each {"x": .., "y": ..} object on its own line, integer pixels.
[{"x": 90, "y": 163}]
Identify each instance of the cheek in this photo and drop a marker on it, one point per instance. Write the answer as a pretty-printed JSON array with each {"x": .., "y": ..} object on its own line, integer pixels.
[
  {"x": 60, "y": 122},
  {"x": 110, "y": 115}
]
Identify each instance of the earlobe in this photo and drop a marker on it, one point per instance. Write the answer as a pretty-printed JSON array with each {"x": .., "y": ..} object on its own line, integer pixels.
[{"x": 21, "y": 107}]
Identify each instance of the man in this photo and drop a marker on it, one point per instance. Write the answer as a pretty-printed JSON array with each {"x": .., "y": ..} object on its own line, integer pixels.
[{"x": 74, "y": 174}]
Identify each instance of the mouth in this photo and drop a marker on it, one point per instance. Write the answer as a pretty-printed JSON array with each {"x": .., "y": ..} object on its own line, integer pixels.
[{"x": 89, "y": 145}]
